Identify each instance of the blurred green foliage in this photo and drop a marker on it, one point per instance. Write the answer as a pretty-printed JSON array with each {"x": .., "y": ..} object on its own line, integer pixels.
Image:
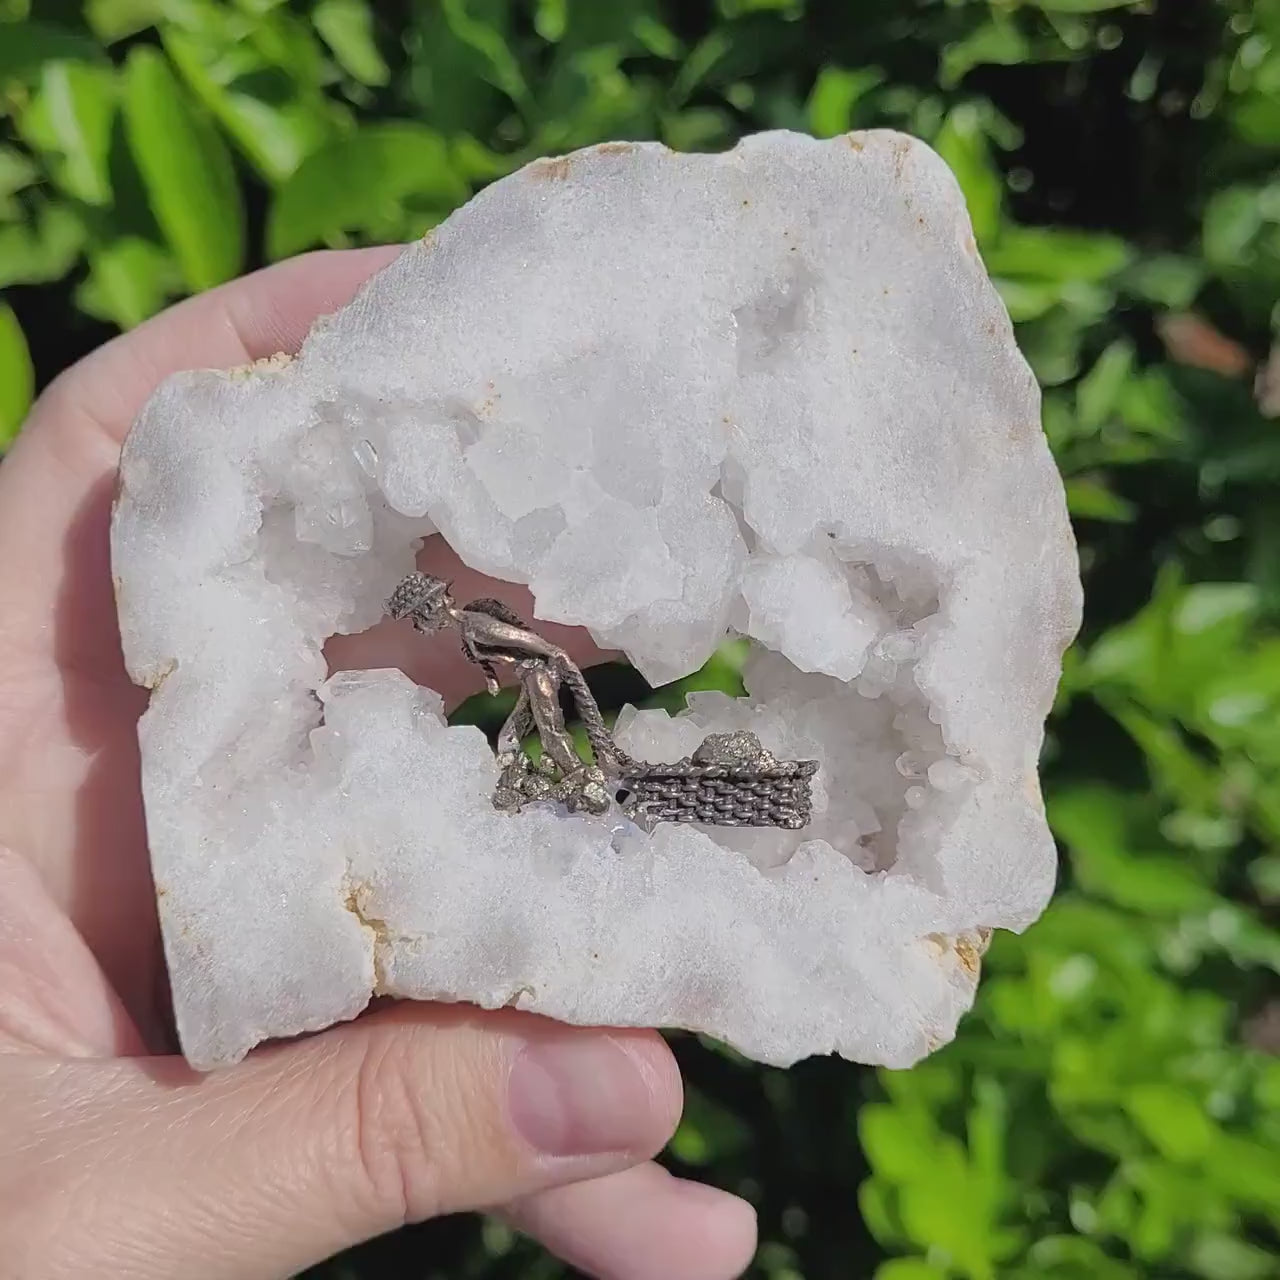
[{"x": 1111, "y": 1108}]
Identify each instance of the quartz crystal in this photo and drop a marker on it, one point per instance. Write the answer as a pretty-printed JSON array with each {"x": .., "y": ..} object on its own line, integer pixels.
[{"x": 769, "y": 393}]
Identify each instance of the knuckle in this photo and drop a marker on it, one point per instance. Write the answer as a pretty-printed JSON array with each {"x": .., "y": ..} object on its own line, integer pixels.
[{"x": 408, "y": 1127}]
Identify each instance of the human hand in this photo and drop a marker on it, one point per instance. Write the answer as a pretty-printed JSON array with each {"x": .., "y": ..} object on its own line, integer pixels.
[{"x": 115, "y": 1158}]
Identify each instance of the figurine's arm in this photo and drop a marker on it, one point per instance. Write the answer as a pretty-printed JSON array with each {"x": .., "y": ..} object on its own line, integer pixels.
[{"x": 491, "y": 638}]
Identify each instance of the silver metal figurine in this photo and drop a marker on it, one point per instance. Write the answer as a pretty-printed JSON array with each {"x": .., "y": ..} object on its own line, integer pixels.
[{"x": 730, "y": 780}]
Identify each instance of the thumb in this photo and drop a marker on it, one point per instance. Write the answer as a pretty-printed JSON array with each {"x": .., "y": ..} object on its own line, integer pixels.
[{"x": 141, "y": 1167}]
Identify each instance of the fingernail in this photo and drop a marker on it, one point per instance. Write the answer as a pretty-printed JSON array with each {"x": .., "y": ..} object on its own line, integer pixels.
[{"x": 579, "y": 1095}]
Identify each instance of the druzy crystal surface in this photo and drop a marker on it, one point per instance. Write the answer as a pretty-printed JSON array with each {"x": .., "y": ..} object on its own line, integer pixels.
[{"x": 769, "y": 393}]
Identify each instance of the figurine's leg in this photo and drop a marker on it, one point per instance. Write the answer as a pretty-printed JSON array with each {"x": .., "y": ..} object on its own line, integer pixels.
[
  {"x": 517, "y": 725},
  {"x": 519, "y": 782},
  {"x": 543, "y": 687}
]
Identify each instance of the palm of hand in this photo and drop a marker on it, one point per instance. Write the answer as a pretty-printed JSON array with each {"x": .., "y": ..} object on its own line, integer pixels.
[{"x": 81, "y": 966}]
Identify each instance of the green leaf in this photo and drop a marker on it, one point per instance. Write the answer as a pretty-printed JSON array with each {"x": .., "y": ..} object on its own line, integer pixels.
[
  {"x": 909, "y": 1269},
  {"x": 1223, "y": 1257},
  {"x": 186, "y": 170},
  {"x": 346, "y": 26},
  {"x": 1089, "y": 498},
  {"x": 17, "y": 376},
  {"x": 835, "y": 94},
  {"x": 70, "y": 118},
  {"x": 1099, "y": 390},
  {"x": 47, "y": 250},
  {"x": 1232, "y": 221},
  {"x": 497, "y": 63},
  {"x": 16, "y": 173},
  {"x": 1072, "y": 1258},
  {"x": 26, "y": 47},
  {"x": 550, "y": 19},
  {"x": 698, "y": 65},
  {"x": 998, "y": 42},
  {"x": 1247, "y": 1170},
  {"x": 731, "y": 9},
  {"x": 1166, "y": 279},
  {"x": 1083, "y": 6},
  {"x": 1178, "y": 772},
  {"x": 113, "y": 20},
  {"x": 897, "y": 1142},
  {"x": 962, "y": 143},
  {"x": 1177, "y": 643},
  {"x": 1093, "y": 821},
  {"x": 947, "y": 1212},
  {"x": 877, "y": 1203},
  {"x": 657, "y": 38},
  {"x": 274, "y": 124},
  {"x": 476, "y": 163},
  {"x": 1172, "y": 1118},
  {"x": 360, "y": 183},
  {"x": 129, "y": 280},
  {"x": 1055, "y": 253},
  {"x": 1027, "y": 300},
  {"x": 1051, "y": 344},
  {"x": 697, "y": 129}
]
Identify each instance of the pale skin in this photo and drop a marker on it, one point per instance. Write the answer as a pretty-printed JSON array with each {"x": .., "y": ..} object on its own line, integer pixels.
[{"x": 115, "y": 1158}]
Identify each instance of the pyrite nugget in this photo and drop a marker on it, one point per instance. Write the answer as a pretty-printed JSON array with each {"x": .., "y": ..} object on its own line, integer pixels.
[{"x": 730, "y": 780}]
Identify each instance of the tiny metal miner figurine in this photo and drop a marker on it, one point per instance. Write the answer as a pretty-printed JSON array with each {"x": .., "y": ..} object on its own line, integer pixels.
[{"x": 730, "y": 780}]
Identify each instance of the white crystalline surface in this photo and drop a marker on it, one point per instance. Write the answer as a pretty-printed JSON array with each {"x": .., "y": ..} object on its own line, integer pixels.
[{"x": 771, "y": 393}]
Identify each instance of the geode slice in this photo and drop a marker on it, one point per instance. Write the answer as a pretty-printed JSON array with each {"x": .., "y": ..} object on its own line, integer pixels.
[{"x": 770, "y": 392}]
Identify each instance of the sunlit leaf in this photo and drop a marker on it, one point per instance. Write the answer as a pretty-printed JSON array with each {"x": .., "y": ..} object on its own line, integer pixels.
[
  {"x": 1083, "y": 6},
  {"x": 1056, "y": 253},
  {"x": 656, "y": 37},
  {"x": 190, "y": 183},
  {"x": 550, "y": 18},
  {"x": 963, "y": 145},
  {"x": 1232, "y": 221},
  {"x": 897, "y": 1142},
  {"x": 70, "y": 119},
  {"x": 115, "y": 19},
  {"x": 1172, "y": 1118},
  {"x": 697, "y": 129},
  {"x": 17, "y": 376},
  {"x": 474, "y": 162},
  {"x": 17, "y": 172},
  {"x": 129, "y": 280},
  {"x": 1247, "y": 1169},
  {"x": 877, "y": 1201},
  {"x": 1216, "y": 1256},
  {"x": 1166, "y": 279},
  {"x": 43, "y": 250},
  {"x": 499, "y": 65},
  {"x": 347, "y": 28},
  {"x": 835, "y": 94},
  {"x": 1089, "y": 498},
  {"x": 739, "y": 8},
  {"x": 273, "y": 131},
  {"x": 358, "y": 183},
  {"x": 1099, "y": 390},
  {"x": 1094, "y": 821},
  {"x": 999, "y": 41},
  {"x": 909, "y": 1269},
  {"x": 698, "y": 65}
]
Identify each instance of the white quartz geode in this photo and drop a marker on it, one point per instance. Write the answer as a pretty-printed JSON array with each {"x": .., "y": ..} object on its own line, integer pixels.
[{"x": 770, "y": 392}]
